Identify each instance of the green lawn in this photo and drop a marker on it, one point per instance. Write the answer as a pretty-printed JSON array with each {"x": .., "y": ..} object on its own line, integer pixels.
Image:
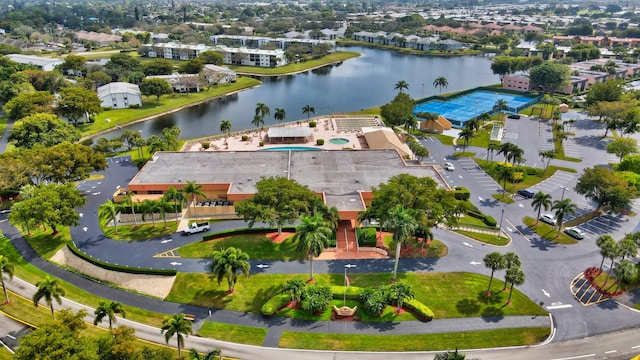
[
  {"x": 5, "y": 354},
  {"x": 141, "y": 232},
  {"x": 485, "y": 238},
  {"x": 45, "y": 243},
  {"x": 505, "y": 198},
  {"x": 548, "y": 232},
  {"x": 532, "y": 177},
  {"x": 151, "y": 107},
  {"x": 449, "y": 295},
  {"x": 239, "y": 334},
  {"x": 419, "y": 342},
  {"x": 259, "y": 247},
  {"x": 465, "y": 153},
  {"x": 298, "y": 67}
]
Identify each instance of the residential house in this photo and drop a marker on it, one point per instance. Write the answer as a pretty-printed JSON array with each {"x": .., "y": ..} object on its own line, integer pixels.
[
  {"x": 181, "y": 83},
  {"x": 119, "y": 95},
  {"x": 42, "y": 63},
  {"x": 219, "y": 74}
]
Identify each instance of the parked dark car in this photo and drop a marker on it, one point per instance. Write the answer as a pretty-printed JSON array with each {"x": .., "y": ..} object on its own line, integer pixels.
[
  {"x": 526, "y": 193},
  {"x": 514, "y": 116}
]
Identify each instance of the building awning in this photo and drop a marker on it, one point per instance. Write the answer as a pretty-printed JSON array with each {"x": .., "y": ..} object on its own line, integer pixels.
[{"x": 289, "y": 132}]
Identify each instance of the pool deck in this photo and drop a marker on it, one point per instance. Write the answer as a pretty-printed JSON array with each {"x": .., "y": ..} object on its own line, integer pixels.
[{"x": 326, "y": 129}]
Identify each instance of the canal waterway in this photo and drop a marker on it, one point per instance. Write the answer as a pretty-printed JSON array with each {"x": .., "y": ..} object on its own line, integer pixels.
[{"x": 359, "y": 83}]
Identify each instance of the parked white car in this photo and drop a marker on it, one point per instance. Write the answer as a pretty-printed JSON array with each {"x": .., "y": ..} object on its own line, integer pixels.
[
  {"x": 574, "y": 232},
  {"x": 549, "y": 219},
  {"x": 448, "y": 166}
]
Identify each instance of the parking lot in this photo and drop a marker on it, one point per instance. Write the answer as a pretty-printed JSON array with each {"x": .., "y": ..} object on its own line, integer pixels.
[
  {"x": 555, "y": 182},
  {"x": 471, "y": 170}
]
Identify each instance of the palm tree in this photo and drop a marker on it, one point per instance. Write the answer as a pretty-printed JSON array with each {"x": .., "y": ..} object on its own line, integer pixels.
[
  {"x": 48, "y": 289},
  {"x": 312, "y": 236},
  {"x": 192, "y": 191},
  {"x": 294, "y": 288},
  {"x": 308, "y": 109},
  {"x": 628, "y": 248},
  {"x": 607, "y": 246},
  {"x": 547, "y": 156},
  {"x": 6, "y": 267},
  {"x": 491, "y": 147},
  {"x": 150, "y": 207},
  {"x": 174, "y": 195},
  {"x": 410, "y": 123},
  {"x": 402, "y": 224},
  {"x": 504, "y": 173},
  {"x": 258, "y": 121},
  {"x": 514, "y": 276},
  {"x": 331, "y": 216},
  {"x": 510, "y": 259},
  {"x": 466, "y": 135},
  {"x": 228, "y": 264},
  {"x": 279, "y": 115},
  {"x": 155, "y": 143},
  {"x": 400, "y": 292},
  {"x": 612, "y": 252},
  {"x": 171, "y": 136},
  {"x": 500, "y": 105},
  {"x": 401, "y": 85},
  {"x": 211, "y": 355},
  {"x": 440, "y": 82},
  {"x": 516, "y": 154},
  {"x": 541, "y": 201},
  {"x": 262, "y": 110},
  {"x": 563, "y": 207},
  {"x": 225, "y": 128},
  {"x": 177, "y": 325},
  {"x": 624, "y": 271},
  {"x": 474, "y": 124},
  {"x": 128, "y": 201},
  {"x": 162, "y": 204},
  {"x": 110, "y": 210},
  {"x": 494, "y": 261},
  {"x": 108, "y": 310}
]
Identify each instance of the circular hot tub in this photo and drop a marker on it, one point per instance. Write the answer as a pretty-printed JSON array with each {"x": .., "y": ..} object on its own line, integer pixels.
[{"x": 339, "y": 141}]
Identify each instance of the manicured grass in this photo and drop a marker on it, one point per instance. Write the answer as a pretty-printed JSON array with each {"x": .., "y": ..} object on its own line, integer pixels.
[
  {"x": 444, "y": 139},
  {"x": 472, "y": 221},
  {"x": 480, "y": 138},
  {"x": 449, "y": 295},
  {"x": 259, "y": 247},
  {"x": 415, "y": 249},
  {"x": 375, "y": 111},
  {"x": 560, "y": 149},
  {"x": 505, "y": 198},
  {"x": 3, "y": 125},
  {"x": 5, "y": 354},
  {"x": 141, "y": 232},
  {"x": 485, "y": 238},
  {"x": 414, "y": 342},
  {"x": 388, "y": 315},
  {"x": 151, "y": 107},
  {"x": 298, "y": 67},
  {"x": 548, "y": 232},
  {"x": 460, "y": 154},
  {"x": 45, "y": 243},
  {"x": 532, "y": 177},
  {"x": 239, "y": 334}
]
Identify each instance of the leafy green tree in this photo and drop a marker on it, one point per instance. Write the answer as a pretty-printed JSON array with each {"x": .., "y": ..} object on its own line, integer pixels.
[
  {"x": 541, "y": 201},
  {"x": 610, "y": 90},
  {"x": 98, "y": 78},
  {"x": 192, "y": 190},
  {"x": 120, "y": 344},
  {"x": 278, "y": 201},
  {"x": 176, "y": 325},
  {"x": 211, "y": 57},
  {"x": 398, "y": 109},
  {"x": 280, "y": 114},
  {"x": 108, "y": 310},
  {"x": 622, "y": 147},
  {"x": 494, "y": 261},
  {"x": 6, "y": 267},
  {"x": 66, "y": 162},
  {"x": 403, "y": 225},
  {"x": 75, "y": 102},
  {"x": 563, "y": 207},
  {"x": 294, "y": 288},
  {"x": 210, "y": 355},
  {"x": 155, "y": 87},
  {"x": 625, "y": 271},
  {"x": 122, "y": 65},
  {"x": 514, "y": 276},
  {"x": 158, "y": 67},
  {"x": 109, "y": 210},
  {"x": 401, "y": 85},
  {"x": 440, "y": 82},
  {"x": 48, "y": 289},
  {"x": 627, "y": 248},
  {"x": 549, "y": 76},
  {"x": 130, "y": 138},
  {"x": 75, "y": 63},
  {"x": 605, "y": 187},
  {"x": 44, "y": 129},
  {"x": 312, "y": 236},
  {"x": 308, "y": 109},
  {"x": 192, "y": 66},
  {"x": 28, "y": 103},
  {"x": 171, "y": 137},
  {"x": 400, "y": 292},
  {"x": 49, "y": 81},
  {"x": 54, "y": 204},
  {"x": 227, "y": 264}
]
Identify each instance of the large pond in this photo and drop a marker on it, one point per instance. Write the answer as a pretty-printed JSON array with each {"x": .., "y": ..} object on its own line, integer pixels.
[{"x": 359, "y": 83}]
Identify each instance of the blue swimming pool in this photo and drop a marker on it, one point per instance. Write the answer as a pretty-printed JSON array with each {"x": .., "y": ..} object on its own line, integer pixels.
[
  {"x": 292, "y": 148},
  {"x": 460, "y": 109}
]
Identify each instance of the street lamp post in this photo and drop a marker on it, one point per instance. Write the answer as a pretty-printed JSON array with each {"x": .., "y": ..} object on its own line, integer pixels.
[
  {"x": 500, "y": 227},
  {"x": 563, "y": 190}
]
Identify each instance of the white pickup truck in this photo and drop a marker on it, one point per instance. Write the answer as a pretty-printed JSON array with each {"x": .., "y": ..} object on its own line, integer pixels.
[{"x": 197, "y": 227}]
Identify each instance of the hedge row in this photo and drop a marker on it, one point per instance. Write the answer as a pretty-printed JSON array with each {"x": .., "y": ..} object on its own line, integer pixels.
[
  {"x": 461, "y": 193},
  {"x": 421, "y": 310},
  {"x": 487, "y": 219},
  {"x": 353, "y": 292},
  {"x": 120, "y": 268},
  {"x": 218, "y": 234},
  {"x": 274, "y": 304}
]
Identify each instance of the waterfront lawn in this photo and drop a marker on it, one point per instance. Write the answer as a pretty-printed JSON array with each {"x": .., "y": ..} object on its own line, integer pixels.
[
  {"x": 152, "y": 107},
  {"x": 297, "y": 67},
  {"x": 449, "y": 295},
  {"x": 485, "y": 238},
  {"x": 548, "y": 232},
  {"x": 240, "y": 334},
  {"x": 414, "y": 342},
  {"x": 259, "y": 247}
]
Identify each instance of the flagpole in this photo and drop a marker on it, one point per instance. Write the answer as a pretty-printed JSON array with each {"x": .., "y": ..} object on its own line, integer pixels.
[{"x": 344, "y": 303}]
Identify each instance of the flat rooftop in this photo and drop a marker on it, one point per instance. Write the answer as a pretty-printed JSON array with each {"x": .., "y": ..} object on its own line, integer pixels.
[{"x": 340, "y": 174}]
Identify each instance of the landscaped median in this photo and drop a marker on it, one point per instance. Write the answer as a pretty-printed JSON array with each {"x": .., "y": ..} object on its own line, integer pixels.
[{"x": 548, "y": 232}]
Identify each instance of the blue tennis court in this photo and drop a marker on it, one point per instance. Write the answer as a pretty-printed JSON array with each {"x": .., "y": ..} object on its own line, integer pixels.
[{"x": 460, "y": 109}]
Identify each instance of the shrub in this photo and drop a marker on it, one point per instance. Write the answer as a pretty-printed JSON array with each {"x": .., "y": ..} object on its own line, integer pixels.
[
  {"x": 245, "y": 137},
  {"x": 352, "y": 292},
  {"x": 320, "y": 142},
  {"x": 261, "y": 143},
  {"x": 419, "y": 309},
  {"x": 374, "y": 301},
  {"x": 312, "y": 124},
  {"x": 205, "y": 145},
  {"x": 273, "y": 305},
  {"x": 134, "y": 106},
  {"x": 315, "y": 298},
  {"x": 367, "y": 236},
  {"x": 489, "y": 221},
  {"x": 461, "y": 193},
  {"x": 244, "y": 231}
]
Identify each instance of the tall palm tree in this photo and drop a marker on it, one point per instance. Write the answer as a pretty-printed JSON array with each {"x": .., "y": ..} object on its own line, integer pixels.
[
  {"x": 312, "y": 236},
  {"x": 294, "y": 288},
  {"x": 150, "y": 207},
  {"x": 401, "y": 85},
  {"x": 262, "y": 110},
  {"x": 402, "y": 224},
  {"x": 547, "y": 156},
  {"x": 563, "y": 207},
  {"x": 466, "y": 135},
  {"x": 410, "y": 123},
  {"x": 108, "y": 310},
  {"x": 128, "y": 201},
  {"x": 628, "y": 248},
  {"x": 155, "y": 143},
  {"x": 174, "y": 195},
  {"x": 494, "y": 261},
  {"x": 227, "y": 264},
  {"x": 48, "y": 289},
  {"x": 612, "y": 252},
  {"x": 225, "y": 128},
  {"x": 176, "y": 325},
  {"x": 440, "y": 82},
  {"x": 211, "y": 355},
  {"x": 192, "y": 191},
  {"x": 308, "y": 109},
  {"x": 163, "y": 203},
  {"x": 331, "y": 216},
  {"x": 504, "y": 173},
  {"x": 6, "y": 267},
  {"x": 491, "y": 148},
  {"x": 258, "y": 121},
  {"x": 514, "y": 276},
  {"x": 110, "y": 210},
  {"x": 607, "y": 246},
  {"x": 279, "y": 114},
  {"x": 510, "y": 259},
  {"x": 171, "y": 137},
  {"x": 541, "y": 201},
  {"x": 473, "y": 123},
  {"x": 500, "y": 105}
]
